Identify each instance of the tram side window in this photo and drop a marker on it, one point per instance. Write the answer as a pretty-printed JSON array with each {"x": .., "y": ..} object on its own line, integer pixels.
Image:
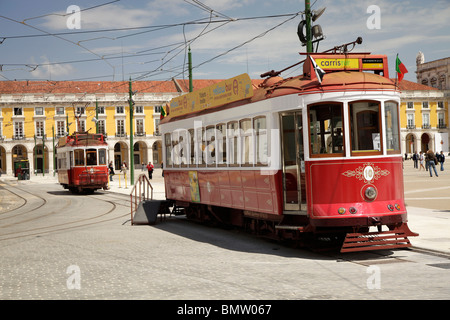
[
  {"x": 91, "y": 157},
  {"x": 246, "y": 142},
  {"x": 191, "y": 147},
  {"x": 326, "y": 130},
  {"x": 262, "y": 152},
  {"x": 168, "y": 148},
  {"x": 210, "y": 149},
  {"x": 102, "y": 157},
  {"x": 221, "y": 144},
  {"x": 79, "y": 157},
  {"x": 365, "y": 127},
  {"x": 392, "y": 127},
  {"x": 232, "y": 138}
]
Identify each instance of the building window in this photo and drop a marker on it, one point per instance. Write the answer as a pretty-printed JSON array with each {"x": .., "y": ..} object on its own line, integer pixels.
[
  {"x": 120, "y": 128},
  {"x": 140, "y": 127},
  {"x": 410, "y": 105},
  {"x": 60, "y": 128},
  {"x": 18, "y": 130},
  {"x": 158, "y": 109},
  {"x": 120, "y": 110},
  {"x": 81, "y": 125},
  {"x": 59, "y": 111},
  {"x": 101, "y": 126},
  {"x": 39, "y": 129},
  {"x": 410, "y": 120},
  {"x": 426, "y": 121},
  {"x": 139, "y": 109},
  {"x": 157, "y": 133},
  {"x": 18, "y": 111},
  {"x": 80, "y": 111},
  {"x": 425, "y": 105},
  {"x": 101, "y": 110},
  {"x": 440, "y": 104},
  {"x": 39, "y": 111}
]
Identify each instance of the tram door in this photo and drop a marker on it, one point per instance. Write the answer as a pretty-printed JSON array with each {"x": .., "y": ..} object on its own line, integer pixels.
[{"x": 293, "y": 161}]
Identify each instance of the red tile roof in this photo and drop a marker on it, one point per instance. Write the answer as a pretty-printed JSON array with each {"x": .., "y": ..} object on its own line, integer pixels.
[
  {"x": 73, "y": 87},
  {"x": 406, "y": 85}
]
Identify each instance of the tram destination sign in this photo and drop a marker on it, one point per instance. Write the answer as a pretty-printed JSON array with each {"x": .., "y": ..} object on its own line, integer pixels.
[
  {"x": 227, "y": 91},
  {"x": 351, "y": 62}
]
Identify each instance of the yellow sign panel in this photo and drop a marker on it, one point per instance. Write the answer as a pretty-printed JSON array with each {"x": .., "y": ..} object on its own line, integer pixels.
[
  {"x": 231, "y": 90},
  {"x": 193, "y": 182},
  {"x": 338, "y": 64}
]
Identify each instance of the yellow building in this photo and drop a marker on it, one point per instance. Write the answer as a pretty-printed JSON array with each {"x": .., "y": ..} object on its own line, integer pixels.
[
  {"x": 34, "y": 114},
  {"x": 424, "y": 117}
]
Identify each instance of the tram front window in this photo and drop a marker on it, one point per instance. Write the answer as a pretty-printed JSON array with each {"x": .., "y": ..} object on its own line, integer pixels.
[
  {"x": 392, "y": 127},
  {"x": 91, "y": 157},
  {"x": 365, "y": 127},
  {"x": 79, "y": 157},
  {"x": 326, "y": 130}
]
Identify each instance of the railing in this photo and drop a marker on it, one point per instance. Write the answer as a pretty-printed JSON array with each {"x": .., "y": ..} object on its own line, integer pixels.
[{"x": 141, "y": 183}]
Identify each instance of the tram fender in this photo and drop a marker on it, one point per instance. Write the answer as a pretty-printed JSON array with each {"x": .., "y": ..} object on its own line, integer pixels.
[{"x": 148, "y": 210}]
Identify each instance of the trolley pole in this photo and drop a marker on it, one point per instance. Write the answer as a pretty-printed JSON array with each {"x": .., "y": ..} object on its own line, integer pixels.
[
  {"x": 131, "y": 103},
  {"x": 308, "y": 26},
  {"x": 191, "y": 87}
]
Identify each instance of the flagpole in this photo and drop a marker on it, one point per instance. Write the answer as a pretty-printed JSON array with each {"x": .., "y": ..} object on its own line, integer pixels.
[{"x": 396, "y": 73}]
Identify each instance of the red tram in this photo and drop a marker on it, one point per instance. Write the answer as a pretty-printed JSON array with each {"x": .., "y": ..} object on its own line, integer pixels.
[
  {"x": 82, "y": 162},
  {"x": 315, "y": 160}
]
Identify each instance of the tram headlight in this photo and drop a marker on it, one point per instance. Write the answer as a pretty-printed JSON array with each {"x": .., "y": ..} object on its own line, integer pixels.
[{"x": 370, "y": 193}]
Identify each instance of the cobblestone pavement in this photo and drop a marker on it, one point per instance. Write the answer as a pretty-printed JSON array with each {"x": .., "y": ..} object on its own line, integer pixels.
[{"x": 54, "y": 245}]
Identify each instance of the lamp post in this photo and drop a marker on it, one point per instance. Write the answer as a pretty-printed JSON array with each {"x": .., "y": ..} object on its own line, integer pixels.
[{"x": 131, "y": 103}]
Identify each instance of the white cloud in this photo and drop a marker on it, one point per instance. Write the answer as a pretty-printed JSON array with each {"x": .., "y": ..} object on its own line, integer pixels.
[{"x": 49, "y": 71}]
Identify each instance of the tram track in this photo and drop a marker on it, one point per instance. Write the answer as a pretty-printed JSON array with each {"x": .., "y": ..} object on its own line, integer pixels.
[{"x": 58, "y": 227}]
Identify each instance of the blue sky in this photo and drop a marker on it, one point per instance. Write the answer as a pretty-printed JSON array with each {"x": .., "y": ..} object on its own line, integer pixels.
[{"x": 223, "y": 45}]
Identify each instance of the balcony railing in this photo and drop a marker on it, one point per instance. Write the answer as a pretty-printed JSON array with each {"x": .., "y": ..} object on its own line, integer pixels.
[
  {"x": 410, "y": 126},
  {"x": 442, "y": 126},
  {"x": 426, "y": 126},
  {"x": 121, "y": 135}
]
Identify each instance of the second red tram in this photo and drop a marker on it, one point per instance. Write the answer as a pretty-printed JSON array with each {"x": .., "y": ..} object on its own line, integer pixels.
[
  {"x": 303, "y": 158},
  {"x": 82, "y": 162}
]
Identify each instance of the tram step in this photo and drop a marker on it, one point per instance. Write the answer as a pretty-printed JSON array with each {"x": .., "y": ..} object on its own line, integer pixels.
[
  {"x": 397, "y": 238},
  {"x": 148, "y": 211}
]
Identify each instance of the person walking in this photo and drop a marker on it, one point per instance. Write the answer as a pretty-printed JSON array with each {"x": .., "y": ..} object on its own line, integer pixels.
[
  {"x": 111, "y": 171},
  {"x": 421, "y": 159},
  {"x": 415, "y": 158},
  {"x": 441, "y": 160},
  {"x": 150, "y": 170},
  {"x": 431, "y": 161}
]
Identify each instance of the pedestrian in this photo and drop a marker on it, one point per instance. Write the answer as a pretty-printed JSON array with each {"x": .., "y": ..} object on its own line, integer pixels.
[
  {"x": 143, "y": 166},
  {"x": 441, "y": 159},
  {"x": 421, "y": 159},
  {"x": 124, "y": 169},
  {"x": 150, "y": 170},
  {"x": 431, "y": 161},
  {"x": 111, "y": 171},
  {"x": 162, "y": 169},
  {"x": 416, "y": 160}
]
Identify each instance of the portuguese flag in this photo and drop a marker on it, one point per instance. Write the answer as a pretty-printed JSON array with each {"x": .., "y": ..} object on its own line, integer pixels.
[
  {"x": 163, "y": 113},
  {"x": 400, "y": 68}
]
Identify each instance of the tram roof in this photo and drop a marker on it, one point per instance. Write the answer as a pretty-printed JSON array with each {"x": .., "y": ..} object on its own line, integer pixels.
[
  {"x": 305, "y": 84},
  {"x": 82, "y": 140}
]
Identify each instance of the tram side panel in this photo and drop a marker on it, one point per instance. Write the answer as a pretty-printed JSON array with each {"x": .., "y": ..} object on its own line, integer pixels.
[{"x": 251, "y": 190}]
